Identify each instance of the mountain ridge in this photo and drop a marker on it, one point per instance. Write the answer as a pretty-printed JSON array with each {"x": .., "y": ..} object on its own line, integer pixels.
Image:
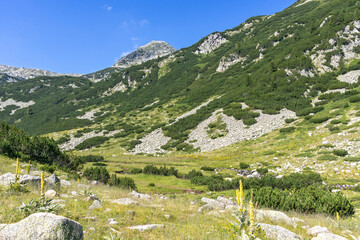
[{"x": 268, "y": 63}]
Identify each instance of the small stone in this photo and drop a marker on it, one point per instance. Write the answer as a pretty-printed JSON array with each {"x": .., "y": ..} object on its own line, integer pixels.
[
  {"x": 125, "y": 201},
  {"x": 328, "y": 236},
  {"x": 112, "y": 221},
  {"x": 314, "y": 231},
  {"x": 168, "y": 216},
  {"x": 143, "y": 228},
  {"x": 96, "y": 204},
  {"x": 92, "y": 198},
  {"x": 206, "y": 207},
  {"x": 50, "y": 194},
  {"x": 65, "y": 183},
  {"x": 140, "y": 195}
]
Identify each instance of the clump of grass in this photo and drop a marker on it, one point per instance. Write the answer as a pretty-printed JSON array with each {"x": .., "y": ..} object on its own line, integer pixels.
[
  {"x": 352, "y": 159},
  {"x": 327, "y": 157},
  {"x": 340, "y": 152},
  {"x": 243, "y": 165}
]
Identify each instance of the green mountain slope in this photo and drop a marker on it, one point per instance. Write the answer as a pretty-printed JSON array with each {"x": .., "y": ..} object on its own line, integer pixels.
[{"x": 269, "y": 63}]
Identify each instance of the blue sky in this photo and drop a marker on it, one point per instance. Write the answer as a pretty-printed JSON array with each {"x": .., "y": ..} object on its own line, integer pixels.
[{"x": 83, "y": 36}]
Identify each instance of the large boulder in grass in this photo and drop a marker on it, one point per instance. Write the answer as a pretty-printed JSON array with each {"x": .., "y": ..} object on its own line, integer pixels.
[
  {"x": 7, "y": 178},
  {"x": 54, "y": 181},
  {"x": 278, "y": 233},
  {"x": 42, "y": 226},
  {"x": 214, "y": 203},
  {"x": 328, "y": 236},
  {"x": 274, "y": 216}
]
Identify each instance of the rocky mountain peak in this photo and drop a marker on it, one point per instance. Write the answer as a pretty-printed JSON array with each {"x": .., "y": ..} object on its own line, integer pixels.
[
  {"x": 13, "y": 74},
  {"x": 150, "y": 51}
]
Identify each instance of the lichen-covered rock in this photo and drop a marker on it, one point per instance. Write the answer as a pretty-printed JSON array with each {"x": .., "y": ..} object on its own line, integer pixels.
[
  {"x": 275, "y": 216},
  {"x": 96, "y": 204},
  {"x": 278, "y": 233},
  {"x": 42, "y": 226},
  {"x": 51, "y": 194},
  {"x": 214, "y": 203},
  {"x": 54, "y": 180},
  {"x": 126, "y": 201},
  {"x": 212, "y": 42},
  {"x": 314, "y": 231},
  {"x": 140, "y": 195},
  {"x": 328, "y": 236},
  {"x": 142, "y": 228}
]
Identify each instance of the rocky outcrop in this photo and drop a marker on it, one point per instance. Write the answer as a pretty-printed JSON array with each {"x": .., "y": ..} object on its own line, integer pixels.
[
  {"x": 350, "y": 77},
  {"x": 11, "y": 102},
  {"x": 274, "y": 216},
  {"x": 238, "y": 131},
  {"x": 26, "y": 73},
  {"x": 145, "y": 53},
  {"x": 278, "y": 233},
  {"x": 228, "y": 61},
  {"x": 42, "y": 226},
  {"x": 152, "y": 142},
  {"x": 140, "y": 195},
  {"x": 314, "y": 231},
  {"x": 212, "y": 42}
]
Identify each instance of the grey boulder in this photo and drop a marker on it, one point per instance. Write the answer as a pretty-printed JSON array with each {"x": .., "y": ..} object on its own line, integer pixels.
[
  {"x": 278, "y": 233},
  {"x": 42, "y": 226}
]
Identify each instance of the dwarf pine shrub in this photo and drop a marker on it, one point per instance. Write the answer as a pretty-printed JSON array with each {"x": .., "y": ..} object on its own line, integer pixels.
[{"x": 312, "y": 199}]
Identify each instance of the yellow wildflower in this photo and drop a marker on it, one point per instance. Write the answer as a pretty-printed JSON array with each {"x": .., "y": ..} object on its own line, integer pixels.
[
  {"x": 251, "y": 213},
  {"x": 337, "y": 216},
  {"x": 42, "y": 185},
  {"x": 17, "y": 173}
]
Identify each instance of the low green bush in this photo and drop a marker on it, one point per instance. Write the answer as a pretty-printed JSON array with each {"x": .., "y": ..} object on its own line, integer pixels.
[
  {"x": 136, "y": 171},
  {"x": 340, "y": 152},
  {"x": 48, "y": 168},
  {"x": 319, "y": 119},
  {"x": 193, "y": 173},
  {"x": 164, "y": 171},
  {"x": 243, "y": 165},
  {"x": 209, "y": 169},
  {"x": 290, "y": 120},
  {"x": 91, "y": 158},
  {"x": 63, "y": 139},
  {"x": 91, "y": 142},
  {"x": 122, "y": 182},
  {"x": 354, "y": 99},
  {"x": 312, "y": 199},
  {"x": 249, "y": 121},
  {"x": 352, "y": 159},
  {"x": 262, "y": 171},
  {"x": 100, "y": 164},
  {"x": 327, "y": 157},
  {"x": 287, "y": 130},
  {"x": 97, "y": 173}
]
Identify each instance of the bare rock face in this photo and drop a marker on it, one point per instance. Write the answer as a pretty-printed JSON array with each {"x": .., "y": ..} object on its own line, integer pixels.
[
  {"x": 212, "y": 42},
  {"x": 42, "y": 226},
  {"x": 145, "y": 53},
  {"x": 227, "y": 62},
  {"x": 350, "y": 77},
  {"x": 25, "y": 73}
]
